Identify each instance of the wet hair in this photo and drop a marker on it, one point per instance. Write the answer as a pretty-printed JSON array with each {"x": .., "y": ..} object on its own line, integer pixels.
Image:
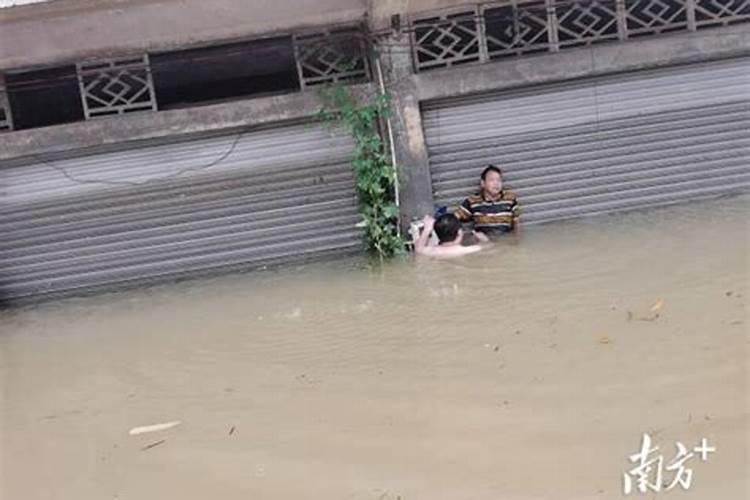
[
  {"x": 447, "y": 227},
  {"x": 491, "y": 168}
]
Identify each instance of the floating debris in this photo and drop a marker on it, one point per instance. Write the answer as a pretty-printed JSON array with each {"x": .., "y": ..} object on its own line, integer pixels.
[
  {"x": 653, "y": 317},
  {"x": 153, "y": 428},
  {"x": 294, "y": 314},
  {"x": 605, "y": 340},
  {"x": 153, "y": 445},
  {"x": 653, "y": 312},
  {"x": 231, "y": 431}
]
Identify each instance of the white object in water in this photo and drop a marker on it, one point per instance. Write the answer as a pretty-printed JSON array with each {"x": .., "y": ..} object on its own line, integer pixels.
[
  {"x": 657, "y": 306},
  {"x": 154, "y": 428}
]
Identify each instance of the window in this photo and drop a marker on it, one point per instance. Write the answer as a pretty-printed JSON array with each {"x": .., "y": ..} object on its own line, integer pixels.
[
  {"x": 215, "y": 74},
  {"x": 44, "y": 97}
]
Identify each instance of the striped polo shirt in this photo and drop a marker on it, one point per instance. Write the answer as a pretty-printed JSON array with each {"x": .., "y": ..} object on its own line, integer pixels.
[{"x": 490, "y": 215}]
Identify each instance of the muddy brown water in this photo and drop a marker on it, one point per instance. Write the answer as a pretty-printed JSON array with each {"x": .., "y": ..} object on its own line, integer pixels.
[{"x": 530, "y": 371}]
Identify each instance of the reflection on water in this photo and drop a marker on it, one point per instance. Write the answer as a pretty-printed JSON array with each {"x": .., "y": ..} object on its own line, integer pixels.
[{"x": 528, "y": 371}]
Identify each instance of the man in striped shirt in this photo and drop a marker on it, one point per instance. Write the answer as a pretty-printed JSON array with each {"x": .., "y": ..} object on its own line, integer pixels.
[{"x": 493, "y": 210}]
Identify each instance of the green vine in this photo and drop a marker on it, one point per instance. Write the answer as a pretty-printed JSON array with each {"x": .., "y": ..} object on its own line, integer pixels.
[{"x": 374, "y": 172}]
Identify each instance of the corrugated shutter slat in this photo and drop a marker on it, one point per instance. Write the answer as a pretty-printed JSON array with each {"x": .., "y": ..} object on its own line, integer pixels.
[{"x": 159, "y": 211}]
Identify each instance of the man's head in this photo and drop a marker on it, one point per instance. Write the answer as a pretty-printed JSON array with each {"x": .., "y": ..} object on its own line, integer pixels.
[
  {"x": 492, "y": 180},
  {"x": 448, "y": 228}
]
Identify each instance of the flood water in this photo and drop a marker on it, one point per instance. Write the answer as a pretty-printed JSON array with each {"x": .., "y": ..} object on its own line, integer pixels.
[{"x": 530, "y": 371}]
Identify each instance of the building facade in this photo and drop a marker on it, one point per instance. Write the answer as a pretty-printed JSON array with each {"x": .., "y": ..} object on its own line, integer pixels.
[{"x": 147, "y": 140}]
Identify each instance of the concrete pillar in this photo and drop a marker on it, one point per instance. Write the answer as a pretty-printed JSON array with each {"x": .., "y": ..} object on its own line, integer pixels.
[{"x": 415, "y": 185}]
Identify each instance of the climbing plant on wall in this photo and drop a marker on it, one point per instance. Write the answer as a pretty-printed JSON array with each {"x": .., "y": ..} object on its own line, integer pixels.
[{"x": 374, "y": 172}]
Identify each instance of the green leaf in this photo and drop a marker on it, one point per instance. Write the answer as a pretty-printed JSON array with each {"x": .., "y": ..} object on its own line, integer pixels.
[{"x": 390, "y": 211}]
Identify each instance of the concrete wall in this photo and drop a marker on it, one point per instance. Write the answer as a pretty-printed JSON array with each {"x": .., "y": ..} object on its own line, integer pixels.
[
  {"x": 407, "y": 88},
  {"x": 70, "y": 30},
  {"x": 117, "y": 131},
  {"x": 380, "y": 11},
  {"x": 633, "y": 55}
]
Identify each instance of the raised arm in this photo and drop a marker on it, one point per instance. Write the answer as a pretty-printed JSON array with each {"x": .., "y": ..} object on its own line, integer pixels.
[{"x": 422, "y": 242}]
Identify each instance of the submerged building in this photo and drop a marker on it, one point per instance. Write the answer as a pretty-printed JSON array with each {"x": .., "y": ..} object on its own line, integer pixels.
[{"x": 149, "y": 140}]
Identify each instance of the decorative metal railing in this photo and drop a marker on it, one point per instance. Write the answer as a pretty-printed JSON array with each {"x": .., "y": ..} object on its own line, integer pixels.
[
  {"x": 495, "y": 30},
  {"x": 331, "y": 56},
  {"x": 116, "y": 86},
  {"x": 480, "y": 33},
  {"x": 125, "y": 85}
]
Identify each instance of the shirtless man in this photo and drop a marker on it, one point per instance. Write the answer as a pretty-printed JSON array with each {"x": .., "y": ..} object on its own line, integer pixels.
[{"x": 448, "y": 230}]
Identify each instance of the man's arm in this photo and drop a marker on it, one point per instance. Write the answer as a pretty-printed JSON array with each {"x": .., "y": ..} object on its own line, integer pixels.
[
  {"x": 463, "y": 212},
  {"x": 421, "y": 244},
  {"x": 516, "y": 209}
]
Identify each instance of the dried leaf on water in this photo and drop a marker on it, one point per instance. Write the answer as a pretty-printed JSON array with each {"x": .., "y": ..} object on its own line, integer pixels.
[
  {"x": 153, "y": 445},
  {"x": 153, "y": 428},
  {"x": 657, "y": 306}
]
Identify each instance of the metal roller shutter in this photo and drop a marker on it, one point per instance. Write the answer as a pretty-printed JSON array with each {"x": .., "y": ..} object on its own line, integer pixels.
[
  {"x": 161, "y": 211},
  {"x": 600, "y": 145}
]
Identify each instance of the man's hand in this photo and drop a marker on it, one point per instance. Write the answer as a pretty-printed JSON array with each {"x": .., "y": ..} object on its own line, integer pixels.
[
  {"x": 421, "y": 244},
  {"x": 516, "y": 227}
]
